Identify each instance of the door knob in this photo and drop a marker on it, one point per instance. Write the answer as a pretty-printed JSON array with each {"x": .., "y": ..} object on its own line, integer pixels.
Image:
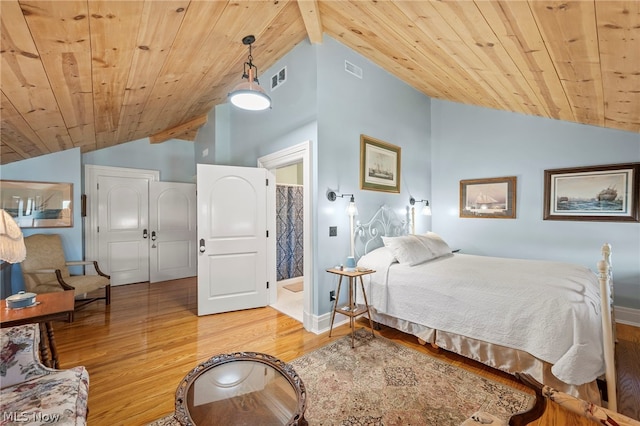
[
  {"x": 144, "y": 234},
  {"x": 202, "y": 248},
  {"x": 153, "y": 235}
]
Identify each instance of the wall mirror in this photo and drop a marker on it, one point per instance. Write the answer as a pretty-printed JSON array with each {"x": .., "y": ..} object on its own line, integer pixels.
[{"x": 38, "y": 204}]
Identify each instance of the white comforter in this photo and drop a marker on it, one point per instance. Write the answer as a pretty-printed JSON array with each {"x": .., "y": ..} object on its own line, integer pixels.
[{"x": 548, "y": 309}]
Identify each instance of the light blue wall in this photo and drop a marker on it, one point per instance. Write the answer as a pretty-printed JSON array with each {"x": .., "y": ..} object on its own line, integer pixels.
[
  {"x": 471, "y": 142},
  {"x": 380, "y": 106},
  {"x": 291, "y": 119},
  {"x": 63, "y": 166},
  {"x": 175, "y": 159},
  {"x": 205, "y": 143},
  {"x": 235, "y": 137}
]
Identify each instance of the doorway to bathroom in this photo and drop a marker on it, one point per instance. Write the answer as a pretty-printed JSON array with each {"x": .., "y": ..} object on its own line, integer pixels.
[
  {"x": 287, "y": 300},
  {"x": 290, "y": 240}
]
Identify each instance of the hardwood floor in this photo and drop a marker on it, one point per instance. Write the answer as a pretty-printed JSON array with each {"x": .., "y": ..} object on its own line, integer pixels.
[{"x": 138, "y": 349}]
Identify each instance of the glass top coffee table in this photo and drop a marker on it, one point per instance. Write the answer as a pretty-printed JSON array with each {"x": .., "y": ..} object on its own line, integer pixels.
[{"x": 242, "y": 388}]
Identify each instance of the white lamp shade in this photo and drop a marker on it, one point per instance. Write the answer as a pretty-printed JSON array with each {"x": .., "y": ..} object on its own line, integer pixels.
[
  {"x": 352, "y": 210},
  {"x": 250, "y": 96},
  {"x": 12, "y": 248},
  {"x": 426, "y": 211}
]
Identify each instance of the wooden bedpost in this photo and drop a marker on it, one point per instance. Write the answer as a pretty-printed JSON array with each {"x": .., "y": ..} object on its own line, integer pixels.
[{"x": 606, "y": 303}]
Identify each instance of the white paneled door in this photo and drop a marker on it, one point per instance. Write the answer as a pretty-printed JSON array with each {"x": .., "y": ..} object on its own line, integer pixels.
[
  {"x": 123, "y": 212},
  {"x": 140, "y": 229},
  {"x": 172, "y": 231},
  {"x": 236, "y": 255}
]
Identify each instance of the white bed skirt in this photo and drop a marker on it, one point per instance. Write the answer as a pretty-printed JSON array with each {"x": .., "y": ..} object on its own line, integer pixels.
[{"x": 496, "y": 356}]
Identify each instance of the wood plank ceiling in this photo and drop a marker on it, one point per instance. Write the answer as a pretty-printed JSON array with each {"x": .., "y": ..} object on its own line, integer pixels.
[{"x": 96, "y": 73}]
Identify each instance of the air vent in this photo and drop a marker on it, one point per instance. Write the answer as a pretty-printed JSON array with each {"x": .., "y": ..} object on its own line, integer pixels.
[
  {"x": 279, "y": 78},
  {"x": 352, "y": 69}
]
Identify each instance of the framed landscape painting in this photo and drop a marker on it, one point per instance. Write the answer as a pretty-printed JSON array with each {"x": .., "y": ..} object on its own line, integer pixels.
[
  {"x": 379, "y": 165},
  {"x": 488, "y": 198},
  {"x": 598, "y": 193}
]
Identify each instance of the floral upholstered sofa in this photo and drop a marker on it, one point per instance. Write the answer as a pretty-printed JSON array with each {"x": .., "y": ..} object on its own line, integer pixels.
[{"x": 32, "y": 393}]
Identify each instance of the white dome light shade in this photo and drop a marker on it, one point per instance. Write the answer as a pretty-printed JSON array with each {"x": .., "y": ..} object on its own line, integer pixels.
[{"x": 250, "y": 96}]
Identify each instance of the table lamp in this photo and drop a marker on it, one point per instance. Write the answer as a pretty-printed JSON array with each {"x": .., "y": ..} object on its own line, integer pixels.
[{"x": 12, "y": 248}]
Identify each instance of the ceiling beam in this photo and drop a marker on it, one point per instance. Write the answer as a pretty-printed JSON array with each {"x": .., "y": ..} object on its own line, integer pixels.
[
  {"x": 311, "y": 17},
  {"x": 174, "y": 132}
]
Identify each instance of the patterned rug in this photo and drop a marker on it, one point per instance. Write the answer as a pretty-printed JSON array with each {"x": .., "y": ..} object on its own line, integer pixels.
[{"x": 380, "y": 382}]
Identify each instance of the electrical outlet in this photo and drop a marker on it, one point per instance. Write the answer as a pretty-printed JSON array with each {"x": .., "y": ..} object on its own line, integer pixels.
[
  {"x": 332, "y": 295},
  {"x": 333, "y": 231}
]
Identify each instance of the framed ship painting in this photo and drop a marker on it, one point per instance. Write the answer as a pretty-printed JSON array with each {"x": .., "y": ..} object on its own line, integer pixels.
[
  {"x": 597, "y": 193},
  {"x": 379, "y": 165},
  {"x": 488, "y": 198}
]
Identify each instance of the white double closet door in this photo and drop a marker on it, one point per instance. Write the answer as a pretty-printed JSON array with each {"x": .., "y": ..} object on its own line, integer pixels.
[{"x": 140, "y": 229}]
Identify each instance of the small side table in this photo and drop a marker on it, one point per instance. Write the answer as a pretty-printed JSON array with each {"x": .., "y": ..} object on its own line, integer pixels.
[
  {"x": 351, "y": 309},
  {"x": 50, "y": 307}
]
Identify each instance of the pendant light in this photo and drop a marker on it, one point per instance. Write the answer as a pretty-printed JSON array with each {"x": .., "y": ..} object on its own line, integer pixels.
[{"x": 248, "y": 94}]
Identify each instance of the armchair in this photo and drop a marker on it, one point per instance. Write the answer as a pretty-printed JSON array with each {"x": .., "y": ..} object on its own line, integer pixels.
[{"x": 45, "y": 271}]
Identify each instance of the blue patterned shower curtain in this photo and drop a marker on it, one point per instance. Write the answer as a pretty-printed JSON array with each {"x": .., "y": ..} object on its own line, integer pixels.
[{"x": 289, "y": 231}]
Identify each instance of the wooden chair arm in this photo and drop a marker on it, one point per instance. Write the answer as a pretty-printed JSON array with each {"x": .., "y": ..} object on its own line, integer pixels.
[
  {"x": 99, "y": 271},
  {"x": 62, "y": 282}
]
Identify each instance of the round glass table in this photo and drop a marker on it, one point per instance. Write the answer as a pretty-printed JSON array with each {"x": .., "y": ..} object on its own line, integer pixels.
[{"x": 242, "y": 388}]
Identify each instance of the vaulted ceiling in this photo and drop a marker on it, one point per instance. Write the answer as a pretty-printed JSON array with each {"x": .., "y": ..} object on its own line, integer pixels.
[{"x": 96, "y": 73}]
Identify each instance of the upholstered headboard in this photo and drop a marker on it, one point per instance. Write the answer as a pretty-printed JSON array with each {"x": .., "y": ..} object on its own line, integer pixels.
[{"x": 384, "y": 223}]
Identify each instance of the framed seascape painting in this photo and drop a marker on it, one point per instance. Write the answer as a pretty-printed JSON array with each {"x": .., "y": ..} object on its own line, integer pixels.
[
  {"x": 38, "y": 204},
  {"x": 379, "y": 165},
  {"x": 488, "y": 198},
  {"x": 598, "y": 193}
]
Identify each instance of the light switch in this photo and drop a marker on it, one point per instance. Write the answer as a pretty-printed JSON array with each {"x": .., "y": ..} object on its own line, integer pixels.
[{"x": 333, "y": 231}]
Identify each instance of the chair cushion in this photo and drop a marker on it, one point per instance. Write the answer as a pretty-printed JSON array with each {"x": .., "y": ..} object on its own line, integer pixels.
[
  {"x": 86, "y": 283},
  {"x": 51, "y": 287}
]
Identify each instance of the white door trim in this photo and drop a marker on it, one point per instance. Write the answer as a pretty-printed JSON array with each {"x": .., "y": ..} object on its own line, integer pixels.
[
  {"x": 295, "y": 154},
  {"x": 91, "y": 175}
]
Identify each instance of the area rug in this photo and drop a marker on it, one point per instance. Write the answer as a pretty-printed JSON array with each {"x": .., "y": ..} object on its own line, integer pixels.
[
  {"x": 295, "y": 287},
  {"x": 380, "y": 382}
]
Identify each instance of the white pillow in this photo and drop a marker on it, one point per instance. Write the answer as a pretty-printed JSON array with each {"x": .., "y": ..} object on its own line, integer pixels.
[
  {"x": 435, "y": 243},
  {"x": 414, "y": 249},
  {"x": 377, "y": 259},
  {"x": 408, "y": 249}
]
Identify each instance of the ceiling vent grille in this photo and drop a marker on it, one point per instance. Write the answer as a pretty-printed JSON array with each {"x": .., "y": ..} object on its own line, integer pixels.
[
  {"x": 279, "y": 78},
  {"x": 353, "y": 69}
]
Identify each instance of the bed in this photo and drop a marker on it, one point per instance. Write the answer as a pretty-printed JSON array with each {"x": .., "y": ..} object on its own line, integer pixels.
[{"x": 549, "y": 319}]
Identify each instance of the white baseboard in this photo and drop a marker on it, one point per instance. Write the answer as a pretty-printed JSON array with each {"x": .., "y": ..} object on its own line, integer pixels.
[
  {"x": 322, "y": 323},
  {"x": 628, "y": 316}
]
